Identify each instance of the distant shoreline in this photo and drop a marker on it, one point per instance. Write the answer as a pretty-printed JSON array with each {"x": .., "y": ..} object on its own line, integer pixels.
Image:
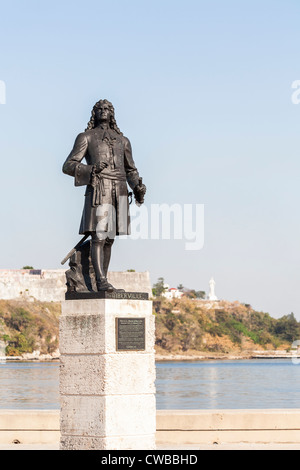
[
  {"x": 182, "y": 358},
  {"x": 172, "y": 357}
]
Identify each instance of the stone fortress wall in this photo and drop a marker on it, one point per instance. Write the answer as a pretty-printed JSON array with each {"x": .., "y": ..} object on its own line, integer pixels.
[{"x": 49, "y": 285}]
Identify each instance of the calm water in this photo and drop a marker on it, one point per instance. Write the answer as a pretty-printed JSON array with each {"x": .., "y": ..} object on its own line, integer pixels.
[{"x": 180, "y": 385}]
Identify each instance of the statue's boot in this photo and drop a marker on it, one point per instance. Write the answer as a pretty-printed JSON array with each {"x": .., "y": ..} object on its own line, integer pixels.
[
  {"x": 98, "y": 264},
  {"x": 104, "y": 285}
]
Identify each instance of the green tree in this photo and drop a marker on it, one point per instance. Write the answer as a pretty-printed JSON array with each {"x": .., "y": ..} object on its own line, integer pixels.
[
  {"x": 287, "y": 328},
  {"x": 159, "y": 287},
  {"x": 190, "y": 294},
  {"x": 28, "y": 267},
  {"x": 200, "y": 294}
]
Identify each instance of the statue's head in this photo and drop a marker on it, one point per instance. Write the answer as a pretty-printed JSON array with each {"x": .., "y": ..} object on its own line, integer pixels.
[{"x": 103, "y": 111}]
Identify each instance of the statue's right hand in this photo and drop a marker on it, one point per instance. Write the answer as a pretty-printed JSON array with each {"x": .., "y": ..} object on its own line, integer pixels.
[{"x": 100, "y": 166}]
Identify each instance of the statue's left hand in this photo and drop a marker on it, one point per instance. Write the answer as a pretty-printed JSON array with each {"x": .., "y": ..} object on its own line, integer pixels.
[{"x": 139, "y": 193}]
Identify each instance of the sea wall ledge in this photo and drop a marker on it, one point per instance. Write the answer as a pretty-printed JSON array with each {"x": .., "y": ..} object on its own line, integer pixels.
[{"x": 174, "y": 427}]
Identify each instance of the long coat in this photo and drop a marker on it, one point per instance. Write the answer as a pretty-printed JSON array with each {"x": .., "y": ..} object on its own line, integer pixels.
[{"x": 105, "y": 189}]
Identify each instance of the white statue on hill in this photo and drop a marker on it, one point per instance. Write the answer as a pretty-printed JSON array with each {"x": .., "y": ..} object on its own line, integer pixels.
[{"x": 212, "y": 295}]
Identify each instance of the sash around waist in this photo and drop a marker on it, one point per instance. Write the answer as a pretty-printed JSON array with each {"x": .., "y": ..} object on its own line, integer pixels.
[
  {"x": 115, "y": 176},
  {"x": 98, "y": 187}
]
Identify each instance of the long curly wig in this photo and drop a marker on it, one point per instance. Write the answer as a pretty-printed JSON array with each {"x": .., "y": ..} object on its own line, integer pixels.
[{"x": 112, "y": 124}]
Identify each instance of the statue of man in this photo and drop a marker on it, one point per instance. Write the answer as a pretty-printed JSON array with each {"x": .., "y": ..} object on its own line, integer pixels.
[
  {"x": 109, "y": 167},
  {"x": 212, "y": 295}
]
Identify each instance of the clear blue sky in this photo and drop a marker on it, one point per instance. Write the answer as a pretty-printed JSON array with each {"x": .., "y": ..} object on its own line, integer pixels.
[{"x": 203, "y": 91}]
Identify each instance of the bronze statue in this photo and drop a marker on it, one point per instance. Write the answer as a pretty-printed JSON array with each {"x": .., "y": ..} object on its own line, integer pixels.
[{"x": 108, "y": 169}]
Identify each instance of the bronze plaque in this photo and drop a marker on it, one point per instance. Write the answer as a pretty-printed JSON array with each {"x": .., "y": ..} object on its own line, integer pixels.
[{"x": 130, "y": 334}]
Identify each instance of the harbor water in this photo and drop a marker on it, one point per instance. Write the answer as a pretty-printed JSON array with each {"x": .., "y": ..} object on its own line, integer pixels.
[{"x": 238, "y": 384}]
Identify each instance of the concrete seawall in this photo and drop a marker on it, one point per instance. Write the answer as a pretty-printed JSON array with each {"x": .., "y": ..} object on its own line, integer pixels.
[{"x": 174, "y": 427}]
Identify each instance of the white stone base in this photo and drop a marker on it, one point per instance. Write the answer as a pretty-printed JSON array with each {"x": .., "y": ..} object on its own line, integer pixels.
[{"x": 107, "y": 396}]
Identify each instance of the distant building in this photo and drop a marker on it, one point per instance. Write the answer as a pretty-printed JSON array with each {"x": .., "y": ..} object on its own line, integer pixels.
[
  {"x": 172, "y": 293},
  {"x": 49, "y": 285},
  {"x": 30, "y": 284}
]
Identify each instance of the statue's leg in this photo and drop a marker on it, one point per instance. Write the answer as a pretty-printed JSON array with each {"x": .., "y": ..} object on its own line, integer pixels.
[
  {"x": 107, "y": 254},
  {"x": 98, "y": 257}
]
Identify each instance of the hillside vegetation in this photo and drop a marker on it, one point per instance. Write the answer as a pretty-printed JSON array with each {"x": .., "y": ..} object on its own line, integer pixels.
[
  {"x": 193, "y": 326},
  {"x": 183, "y": 326},
  {"x": 29, "y": 326}
]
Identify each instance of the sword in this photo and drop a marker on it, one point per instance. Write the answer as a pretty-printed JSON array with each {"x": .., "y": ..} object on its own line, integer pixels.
[{"x": 75, "y": 248}]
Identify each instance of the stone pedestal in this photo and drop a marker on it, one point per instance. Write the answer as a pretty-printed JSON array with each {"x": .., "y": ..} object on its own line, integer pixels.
[{"x": 107, "y": 394}]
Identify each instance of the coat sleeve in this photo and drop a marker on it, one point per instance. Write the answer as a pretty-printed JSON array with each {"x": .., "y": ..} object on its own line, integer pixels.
[
  {"x": 73, "y": 165},
  {"x": 132, "y": 174}
]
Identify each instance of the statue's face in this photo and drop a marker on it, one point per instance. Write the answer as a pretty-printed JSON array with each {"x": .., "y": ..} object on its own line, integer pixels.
[{"x": 102, "y": 113}]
